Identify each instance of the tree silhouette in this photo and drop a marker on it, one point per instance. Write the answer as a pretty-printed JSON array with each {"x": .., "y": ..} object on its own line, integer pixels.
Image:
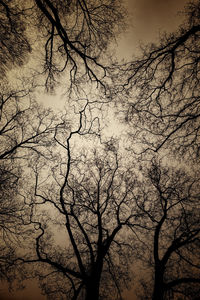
[
  {"x": 170, "y": 200},
  {"x": 25, "y": 128},
  {"x": 24, "y": 124},
  {"x": 76, "y": 210},
  {"x": 14, "y": 45},
  {"x": 86, "y": 197},
  {"x": 76, "y": 34},
  {"x": 161, "y": 89},
  {"x": 67, "y": 35},
  {"x": 10, "y": 216}
]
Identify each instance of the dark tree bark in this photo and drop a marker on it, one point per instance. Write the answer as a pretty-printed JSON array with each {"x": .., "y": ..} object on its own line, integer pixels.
[
  {"x": 161, "y": 92},
  {"x": 169, "y": 199},
  {"x": 89, "y": 196}
]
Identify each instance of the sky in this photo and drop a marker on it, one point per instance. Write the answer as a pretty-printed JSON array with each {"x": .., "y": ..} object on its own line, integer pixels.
[{"x": 148, "y": 18}]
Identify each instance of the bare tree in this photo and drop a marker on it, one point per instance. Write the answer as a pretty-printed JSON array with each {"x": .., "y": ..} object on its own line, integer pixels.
[
  {"x": 9, "y": 215},
  {"x": 162, "y": 90},
  {"x": 13, "y": 213},
  {"x": 170, "y": 200},
  {"x": 161, "y": 97},
  {"x": 80, "y": 210},
  {"x": 77, "y": 33},
  {"x": 71, "y": 35},
  {"x": 25, "y": 128},
  {"x": 14, "y": 45},
  {"x": 24, "y": 124}
]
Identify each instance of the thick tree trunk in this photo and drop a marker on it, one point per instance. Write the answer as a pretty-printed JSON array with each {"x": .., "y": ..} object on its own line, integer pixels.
[
  {"x": 92, "y": 293},
  {"x": 158, "y": 292},
  {"x": 92, "y": 289},
  {"x": 93, "y": 283}
]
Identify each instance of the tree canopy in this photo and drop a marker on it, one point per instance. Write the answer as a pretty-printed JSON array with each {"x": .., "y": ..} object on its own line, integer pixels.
[{"x": 85, "y": 211}]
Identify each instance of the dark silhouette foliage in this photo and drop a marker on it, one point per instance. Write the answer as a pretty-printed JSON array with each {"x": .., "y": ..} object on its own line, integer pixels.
[
  {"x": 169, "y": 199},
  {"x": 14, "y": 44},
  {"x": 161, "y": 91}
]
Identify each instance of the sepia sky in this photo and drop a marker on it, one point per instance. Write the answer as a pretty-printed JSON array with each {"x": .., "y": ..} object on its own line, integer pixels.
[{"x": 148, "y": 18}]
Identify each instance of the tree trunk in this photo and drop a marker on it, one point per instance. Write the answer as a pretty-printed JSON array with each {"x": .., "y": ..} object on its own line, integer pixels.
[
  {"x": 92, "y": 293},
  {"x": 158, "y": 292},
  {"x": 93, "y": 283},
  {"x": 92, "y": 289}
]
